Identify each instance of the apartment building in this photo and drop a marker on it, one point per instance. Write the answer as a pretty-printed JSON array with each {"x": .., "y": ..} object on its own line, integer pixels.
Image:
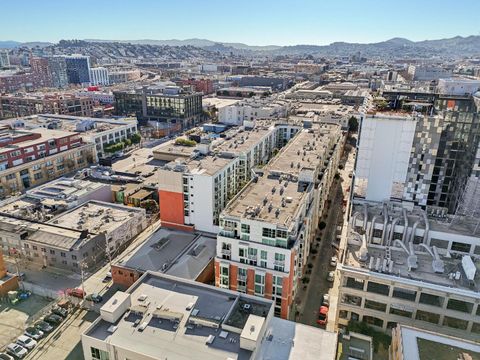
[
  {"x": 267, "y": 229},
  {"x": 425, "y": 159},
  {"x": 252, "y": 109},
  {"x": 117, "y": 75},
  {"x": 78, "y": 69},
  {"x": 100, "y": 132},
  {"x": 198, "y": 181},
  {"x": 30, "y": 158},
  {"x": 24, "y": 105},
  {"x": 161, "y": 103},
  {"x": 403, "y": 265},
  {"x": 161, "y": 317},
  {"x": 99, "y": 76}
]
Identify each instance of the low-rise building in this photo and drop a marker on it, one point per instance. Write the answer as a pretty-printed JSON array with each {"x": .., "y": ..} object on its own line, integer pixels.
[
  {"x": 409, "y": 343},
  {"x": 410, "y": 267},
  {"x": 117, "y": 224},
  {"x": 29, "y": 158},
  {"x": 166, "y": 317}
]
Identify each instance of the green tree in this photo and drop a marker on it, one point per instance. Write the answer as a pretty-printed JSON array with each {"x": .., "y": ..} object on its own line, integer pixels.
[
  {"x": 353, "y": 124},
  {"x": 135, "y": 138}
]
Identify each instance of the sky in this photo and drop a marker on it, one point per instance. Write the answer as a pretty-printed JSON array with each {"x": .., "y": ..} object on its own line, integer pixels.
[{"x": 254, "y": 22}]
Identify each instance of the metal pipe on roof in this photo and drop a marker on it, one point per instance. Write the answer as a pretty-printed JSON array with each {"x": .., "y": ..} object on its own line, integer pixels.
[
  {"x": 392, "y": 230},
  {"x": 427, "y": 227},
  {"x": 402, "y": 245},
  {"x": 405, "y": 226},
  {"x": 365, "y": 216},
  {"x": 385, "y": 222},
  {"x": 372, "y": 227},
  {"x": 414, "y": 228}
]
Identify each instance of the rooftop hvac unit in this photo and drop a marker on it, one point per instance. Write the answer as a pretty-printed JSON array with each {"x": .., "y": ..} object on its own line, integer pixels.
[{"x": 468, "y": 267}]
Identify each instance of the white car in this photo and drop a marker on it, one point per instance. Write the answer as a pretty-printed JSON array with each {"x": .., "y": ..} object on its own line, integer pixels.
[
  {"x": 326, "y": 300},
  {"x": 16, "y": 350},
  {"x": 333, "y": 261},
  {"x": 26, "y": 342},
  {"x": 331, "y": 276}
]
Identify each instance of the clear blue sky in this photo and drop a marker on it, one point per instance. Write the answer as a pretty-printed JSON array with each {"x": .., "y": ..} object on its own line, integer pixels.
[{"x": 259, "y": 22}]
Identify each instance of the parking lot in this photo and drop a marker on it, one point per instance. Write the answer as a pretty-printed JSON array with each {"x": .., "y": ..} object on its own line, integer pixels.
[{"x": 14, "y": 318}]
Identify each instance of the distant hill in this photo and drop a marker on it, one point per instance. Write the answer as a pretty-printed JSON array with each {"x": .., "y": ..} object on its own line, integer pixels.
[{"x": 454, "y": 47}]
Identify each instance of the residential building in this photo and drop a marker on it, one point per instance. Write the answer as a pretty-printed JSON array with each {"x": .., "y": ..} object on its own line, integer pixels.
[
  {"x": 404, "y": 265},
  {"x": 163, "y": 104},
  {"x": 100, "y": 132},
  {"x": 99, "y": 76},
  {"x": 4, "y": 58},
  {"x": 13, "y": 80},
  {"x": 204, "y": 86},
  {"x": 58, "y": 71},
  {"x": 267, "y": 229},
  {"x": 41, "y": 72},
  {"x": 252, "y": 109},
  {"x": 197, "y": 182},
  {"x": 177, "y": 319},
  {"x": 428, "y": 73},
  {"x": 30, "y": 104},
  {"x": 117, "y": 75},
  {"x": 410, "y": 343},
  {"x": 425, "y": 159},
  {"x": 78, "y": 69},
  {"x": 30, "y": 158}
]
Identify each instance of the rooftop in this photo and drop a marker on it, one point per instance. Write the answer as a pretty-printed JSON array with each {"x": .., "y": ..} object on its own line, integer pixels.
[
  {"x": 96, "y": 216},
  {"x": 182, "y": 318}
]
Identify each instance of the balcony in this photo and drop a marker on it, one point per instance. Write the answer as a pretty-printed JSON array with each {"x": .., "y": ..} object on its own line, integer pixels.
[
  {"x": 226, "y": 252},
  {"x": 242, "y": 277},
  {"x": 279, "y": 262},
  {"x": 229, "y": 234},
  {"x": 252, "y": 257}
]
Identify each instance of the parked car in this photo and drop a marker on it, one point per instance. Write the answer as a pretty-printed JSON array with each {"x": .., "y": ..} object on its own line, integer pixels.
[
  {"x": 322, "y": 315},
  {"x": 331, "y": 276},
  {"x": 4, "y": 356},
  {"x": 60, "y": 311},
  {"x": 16, "y": 350},
  {"x": 326, "y": 300},
  {"x": 44, "y": 326},
  {"x": 107, "y": 277},
  {"x": 27, "y": 342},
  {"x": 64, "y": 304},
  {"x": 96, "y": 298},
  {"x": 34, "y": 333},
  {"x": 76, "y": 292},
  {"x": 53, "y": 319},
  {"x": 333, "y": 261}
]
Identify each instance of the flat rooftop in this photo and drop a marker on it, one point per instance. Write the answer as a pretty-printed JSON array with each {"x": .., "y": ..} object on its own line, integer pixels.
[
  {"x": 421, "y": 344},
  {"x": 96, "y": 216},
  {"x": 276, "y": 196},
  {"x": 180, "y": 316}
]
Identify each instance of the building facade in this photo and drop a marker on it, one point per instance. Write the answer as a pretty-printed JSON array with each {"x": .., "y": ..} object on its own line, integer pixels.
[
  {"x": 99, "y": 76},
  {"x": 78, "y": 69}
]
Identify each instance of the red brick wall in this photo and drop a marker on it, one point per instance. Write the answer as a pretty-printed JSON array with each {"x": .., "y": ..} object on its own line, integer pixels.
[
  {"x": 217, "y": 274},
  {"x": 171, "y": 207},
  {"x": 124, "y": 276},
  {"x": 251, "y": 281},
  {"x": 207, "y": 276},
  {"x": 268, "y": 285},
  {"x": 233, "y": 277}
]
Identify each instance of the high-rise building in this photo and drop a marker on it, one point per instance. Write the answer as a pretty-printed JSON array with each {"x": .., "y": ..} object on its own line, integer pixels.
[
  {"x": 41, "y": 72},
  {"x": 4, "y": 58},
  {"x": 78, "y": 69},
  {"x": 58, "y": 71},
  {"x": 99, "y": 76},
  {"x": 267, "y": 230}
]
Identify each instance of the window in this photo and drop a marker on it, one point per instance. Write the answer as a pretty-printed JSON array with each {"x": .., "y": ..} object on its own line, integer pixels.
[
  {"x": 224, "y": 276},
  {"x": 461, "y": 306},
  {"x": 354, "y": 283},
  {"x": 282, "y": 234},
  {"x": 427, "y": 316},
  {"x": 351, "y": 300},
  {"x": 400, "y": 312},
  {"x": 404, "y": 294},
  {"x": 62, "y": 254},
  {"x": 373, "y": 321},
  {"x": 99, "y": 354},
  {"x": 374, "y": 305},
  {"x": 455, "y": 323},
  {"x": 242, "y": 280},
  {"x": 430, "y": 299},
  {"x": 476, "y": 328},
  {"x": 52, "y": 252},
  {"x": 245, "y": 228},
  {"x": 461, "y": 247},
  {"x": 377, "y": 288},
  {"x": 74, "y": 257},
  {"x": 259, "y": 284},
  {"x": 441, "y": 244},
  {"x": 266, "y": 232}
]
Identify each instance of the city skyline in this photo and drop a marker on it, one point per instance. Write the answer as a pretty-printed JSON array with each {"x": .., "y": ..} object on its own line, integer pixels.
[{"x": 357, "y": 23}]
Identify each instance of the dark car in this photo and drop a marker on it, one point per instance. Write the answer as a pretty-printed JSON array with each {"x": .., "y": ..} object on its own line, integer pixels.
[
  {"x": 60, "y": 311},
  {"x": 96, "y": 298},
  {"x": 53, "y": 319},
  {"x": 44, "y": 326}
]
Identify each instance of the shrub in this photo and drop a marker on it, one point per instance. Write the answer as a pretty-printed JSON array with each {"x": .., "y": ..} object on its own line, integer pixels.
[
  {"x": 185, "y": 142},
  {"x": 135, "y": 138},
  {"x": 322, "y": 225}
]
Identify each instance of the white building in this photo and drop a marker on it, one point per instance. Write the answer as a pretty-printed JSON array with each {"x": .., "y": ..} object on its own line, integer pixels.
[
  {"x": 428, "y": 73},
  {"x": 458, "y": 86},
  {"x": 103, "y": 97},
  {"x": 384, "y": 147},
  {"x": 252, "y": 109},
  {"x": 164, "y": 317},
  {"x": 99, "y": 76},
  {"x": 410, "y": 267}
]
